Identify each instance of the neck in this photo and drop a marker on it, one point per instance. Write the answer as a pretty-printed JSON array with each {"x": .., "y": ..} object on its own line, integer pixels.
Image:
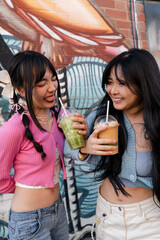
[
  {"x": 43, "y": 114},
  {"x": 134, "y": 112},
  {"x": 135, "y": 117},
  {"x": 44, "y": 117},
  {"x": 41, "y": 111}
]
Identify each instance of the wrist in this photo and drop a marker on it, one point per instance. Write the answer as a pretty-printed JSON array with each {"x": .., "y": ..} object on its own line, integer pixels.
[
  {"x": 82, "y": 156},
  {"x": 82, "y": 150}
]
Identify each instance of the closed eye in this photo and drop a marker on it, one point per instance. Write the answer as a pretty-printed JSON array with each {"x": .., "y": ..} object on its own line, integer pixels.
[
  {"x": 109, "y": 83},
  {"x": 54, "y": 79},
  {"x": 122, "y": 83},
  {"x": 41, "y": 83}
]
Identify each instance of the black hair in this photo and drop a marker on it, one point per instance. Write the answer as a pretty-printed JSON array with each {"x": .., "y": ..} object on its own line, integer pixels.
[
  {"x": 142, "y": 76},
  {"x": 26, "y": 69}
]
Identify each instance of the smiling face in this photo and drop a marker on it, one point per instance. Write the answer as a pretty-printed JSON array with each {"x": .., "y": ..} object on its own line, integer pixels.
[
  {"x": 44, "y": 93},
  {"x": 123, "y": 98}
]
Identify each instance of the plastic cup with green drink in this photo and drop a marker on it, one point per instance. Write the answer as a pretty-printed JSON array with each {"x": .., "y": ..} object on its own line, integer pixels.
[{"x": 75, "y": 140}]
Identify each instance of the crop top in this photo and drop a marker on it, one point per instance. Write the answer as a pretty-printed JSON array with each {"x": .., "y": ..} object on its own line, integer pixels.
[
  {"x": 55, "y": 177},
  {"x": 143, "y": 167},
  {"x": 17, "y": 151}
]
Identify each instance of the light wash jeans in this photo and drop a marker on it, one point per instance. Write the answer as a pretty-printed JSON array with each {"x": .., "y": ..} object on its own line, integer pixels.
[{"x": 49, "y": 223}]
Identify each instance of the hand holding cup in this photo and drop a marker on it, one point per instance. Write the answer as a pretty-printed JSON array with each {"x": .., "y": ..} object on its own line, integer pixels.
[
  {"x": 97, "y": 146},
  {"x": 70, "y": 121},
  {"x": 111, "y": 130}
]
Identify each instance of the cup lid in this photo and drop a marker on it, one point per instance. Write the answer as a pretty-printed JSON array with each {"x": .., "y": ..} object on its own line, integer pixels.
[
  {"x": 67, "y": 112},
  {"x": 102, "y": 119}
]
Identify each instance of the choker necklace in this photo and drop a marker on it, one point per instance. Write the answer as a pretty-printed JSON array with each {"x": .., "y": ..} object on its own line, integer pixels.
[{"x": 44, "y": 118}]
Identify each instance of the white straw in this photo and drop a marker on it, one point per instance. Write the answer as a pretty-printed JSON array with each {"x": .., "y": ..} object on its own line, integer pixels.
[
  {"x": 63, "y": 106},
  {"x": 107, "y": 111}
]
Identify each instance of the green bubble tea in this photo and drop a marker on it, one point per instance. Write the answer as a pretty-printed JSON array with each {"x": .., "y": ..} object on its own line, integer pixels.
[{"x": 75, "y": 140}]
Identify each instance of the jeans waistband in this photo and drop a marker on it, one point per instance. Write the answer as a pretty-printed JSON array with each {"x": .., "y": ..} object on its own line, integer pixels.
[
  {"x": 125, "y": 208},
  {"x": 38, "y": 213}
]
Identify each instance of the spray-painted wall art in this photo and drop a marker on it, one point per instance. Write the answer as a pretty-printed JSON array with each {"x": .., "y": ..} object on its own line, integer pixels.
[{"x": 79, "y": 37}]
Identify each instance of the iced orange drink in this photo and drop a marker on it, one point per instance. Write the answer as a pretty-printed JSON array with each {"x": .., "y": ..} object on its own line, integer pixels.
[{"x": 111, "y": 132}]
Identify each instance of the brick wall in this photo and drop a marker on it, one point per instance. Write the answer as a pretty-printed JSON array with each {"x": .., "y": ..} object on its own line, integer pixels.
[{"x": 121, "y": 18}]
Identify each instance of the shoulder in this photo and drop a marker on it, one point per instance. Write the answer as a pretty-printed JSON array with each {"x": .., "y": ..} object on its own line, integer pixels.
[
  {"x": 13, "y": 126},
  {"x": 11, "y": 138},
  {"x": 92, "y": 114},
  {"x": 15, "y": 120}
]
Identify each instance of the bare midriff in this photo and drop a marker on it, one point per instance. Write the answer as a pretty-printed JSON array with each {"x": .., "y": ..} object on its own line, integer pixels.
[
  {"x": 137, "y": 194},
  {"x": 26, "y": 199}
]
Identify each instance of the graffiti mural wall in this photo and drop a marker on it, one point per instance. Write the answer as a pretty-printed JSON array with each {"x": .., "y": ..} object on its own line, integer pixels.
[{"x": 79, "y": 37}]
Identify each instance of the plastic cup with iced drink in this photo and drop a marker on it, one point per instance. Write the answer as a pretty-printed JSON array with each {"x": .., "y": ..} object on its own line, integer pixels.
[
  {"x": 75, "y": 140},
  {"x": 111, "y": 132}
]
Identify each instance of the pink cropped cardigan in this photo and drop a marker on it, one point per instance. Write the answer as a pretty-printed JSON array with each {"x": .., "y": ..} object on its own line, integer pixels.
[{"x": 17, "y": 151}]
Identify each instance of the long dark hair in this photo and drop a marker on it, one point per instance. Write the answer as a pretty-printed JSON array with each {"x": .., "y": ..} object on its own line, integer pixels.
[
  {"x": 26, "y": 69},
  {"x": 140, "y": 70}
]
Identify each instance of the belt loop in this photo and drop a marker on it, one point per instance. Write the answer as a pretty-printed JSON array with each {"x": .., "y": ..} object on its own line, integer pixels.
[
  {"x": 110, "y": 208},
  {"x": 123, "y": 210},
  {"x": 39, "y": 213},
  {"x": 139, "y": 209}
]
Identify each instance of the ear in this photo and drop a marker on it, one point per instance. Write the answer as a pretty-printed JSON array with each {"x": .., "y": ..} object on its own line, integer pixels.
[{"x": 20, "y": 91}]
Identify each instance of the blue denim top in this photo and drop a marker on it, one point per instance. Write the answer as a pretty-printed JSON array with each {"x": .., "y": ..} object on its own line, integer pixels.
[{"x": 128, "y": 159}]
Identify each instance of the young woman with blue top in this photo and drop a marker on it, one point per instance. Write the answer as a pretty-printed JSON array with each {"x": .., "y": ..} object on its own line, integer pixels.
[
  {"x": 128, "y": 204},
  {"x": 32, "y": 143}
]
